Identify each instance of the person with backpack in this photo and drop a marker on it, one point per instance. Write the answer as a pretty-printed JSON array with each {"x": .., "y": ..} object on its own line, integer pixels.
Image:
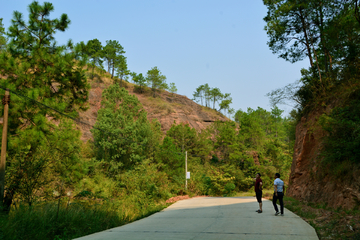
[{"x": 279, "y": 189}]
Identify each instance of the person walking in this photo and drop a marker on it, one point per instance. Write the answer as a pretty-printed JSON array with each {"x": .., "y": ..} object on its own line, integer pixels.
[
  {"x": 258, "y": 191},
  {"x": 279, "y": 189}
]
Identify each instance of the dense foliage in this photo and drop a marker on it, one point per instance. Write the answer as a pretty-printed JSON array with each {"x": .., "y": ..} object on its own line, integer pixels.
[
  {"x": 58, "y": 187},
  {"x": 327, "y": 33}
]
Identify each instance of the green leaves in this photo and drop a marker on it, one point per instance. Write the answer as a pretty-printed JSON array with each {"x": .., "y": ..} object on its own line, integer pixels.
[
  {"x": 140, "y": 80},
  {"x": 113, "y": 54},
  {"x": 122, "y": 131},
  {"x": 156, "y": 80},
  {"x": 2, "y": 37}
]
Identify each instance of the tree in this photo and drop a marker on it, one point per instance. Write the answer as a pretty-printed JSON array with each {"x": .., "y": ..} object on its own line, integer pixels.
[
  {"x": 172, "y": 162},
  {"x": 172, "y": 88},
  {"x": 80, "y": 51},
  {"x": 216, "y": 95},
  {"x": 199, "y": 93},
  {"x": 225, "y": 103},
  {"x": 2, "y": 37},
  {"x": 156, "y": 80},
  {"x": 122, "y": 132},
  {"x": 94, "y": 52},
  {"x": 38, "y": 68},
  {"x": 140, "y": 80},
  {"x": 113, "y": 54},
  {"x": 184, "y": 137},
  {"x": 276, "y": 114},
  {"x": 121, "y": 69},
  {"x": 207, "y": 96}
]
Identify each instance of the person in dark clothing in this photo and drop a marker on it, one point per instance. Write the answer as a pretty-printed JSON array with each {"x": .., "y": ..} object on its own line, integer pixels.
[
  {"x": 279, "y": 189},
  {"x": 258, "y": 191}
]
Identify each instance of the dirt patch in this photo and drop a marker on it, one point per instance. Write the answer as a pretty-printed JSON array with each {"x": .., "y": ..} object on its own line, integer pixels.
[{"x": 178, "y": 198}]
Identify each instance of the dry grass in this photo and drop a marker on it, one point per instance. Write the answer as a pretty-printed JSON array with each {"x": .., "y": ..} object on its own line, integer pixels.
[
  {"x": 159, "y": 106},
  {"x": 213, "y": 112}
]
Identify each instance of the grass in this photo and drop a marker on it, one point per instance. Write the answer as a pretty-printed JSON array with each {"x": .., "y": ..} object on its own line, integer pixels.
[
  {"x": 328, "y": 223},
  {"x": 47, "y": 221},
  {"x": 159, "y": 105}
]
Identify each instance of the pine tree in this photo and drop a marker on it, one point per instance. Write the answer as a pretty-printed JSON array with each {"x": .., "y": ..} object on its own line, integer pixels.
[
  {"x": 172, "y": 88},
  {"x": 122, "y": 131},
  {"x": 2, "y": 37},
  {"x": 38, "y": 68},
  {"x": 95, "y": 53},
  {"x": 140, "y": 80},
  {"x": 156, "y": 80},
  {"x": 112, "y": 53}
]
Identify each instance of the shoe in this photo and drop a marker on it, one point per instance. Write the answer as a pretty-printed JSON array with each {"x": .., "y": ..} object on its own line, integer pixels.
[
  {"x": 259, "y": 211},
  {"x": 282, "y": 214},
  {"x": 277, "y": 213}
]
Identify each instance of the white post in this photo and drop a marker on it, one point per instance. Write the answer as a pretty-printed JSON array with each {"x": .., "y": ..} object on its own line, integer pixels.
[{"x": 186, "y": 170}]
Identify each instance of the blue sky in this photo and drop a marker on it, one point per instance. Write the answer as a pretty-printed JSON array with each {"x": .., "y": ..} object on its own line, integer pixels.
[{"x": 222, "y": 43}]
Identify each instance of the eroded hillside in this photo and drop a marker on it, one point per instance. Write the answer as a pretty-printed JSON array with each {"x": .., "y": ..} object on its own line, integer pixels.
[
  {"x": 166, "y": 107},
  {"x": 309, "y": 180}
]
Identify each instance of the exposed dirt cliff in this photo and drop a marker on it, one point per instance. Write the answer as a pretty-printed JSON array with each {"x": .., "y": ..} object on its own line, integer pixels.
[
  {"x": 309, "y": 180},
  {"x": 166, "y": 107}
]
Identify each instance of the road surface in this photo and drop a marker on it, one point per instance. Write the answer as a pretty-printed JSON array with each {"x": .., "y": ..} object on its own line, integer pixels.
[{"x": 213, "y": 218}]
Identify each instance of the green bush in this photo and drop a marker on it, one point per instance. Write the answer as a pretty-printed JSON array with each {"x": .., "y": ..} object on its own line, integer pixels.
[{"x": 343, "y": 140}]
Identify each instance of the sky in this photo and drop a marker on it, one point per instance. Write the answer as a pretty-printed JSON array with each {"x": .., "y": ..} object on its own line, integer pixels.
[{"x": 192, "y": 42}]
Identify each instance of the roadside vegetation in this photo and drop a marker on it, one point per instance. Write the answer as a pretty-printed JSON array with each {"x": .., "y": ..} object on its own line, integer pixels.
[
  {"x": 328, "y": 223},
  {"x": 58, "y": 187}
]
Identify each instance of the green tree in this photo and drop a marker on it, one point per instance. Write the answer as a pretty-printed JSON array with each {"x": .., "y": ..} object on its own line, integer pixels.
[
  {"x": 41, "y": 70},
  {"x": 276, "y": 114},
  {"x": 226, "y": 140},
  {"x": 184, "y": 137},
  {"x": 156, "y": 80},
  {"x": 122, "y": 71},
  {"x": 225, "y": 103},
  {"x": 173, "y": 163},
  {"x": 207, "y": 95},
  {"x": 172, "y": 88},
  {"x": 2, "y": 36},
  {"x": 199, "y": 93},
  {"x": 80, "y": 51},
  {"x": 94, "y": 52},
  {"x": 112, "y": 53},
  {"x": 122, "y": 132},
  {"x": 40, "y": 162},
  {"x": 140, "y": 80},
  {"x": 216, "y": 95}
]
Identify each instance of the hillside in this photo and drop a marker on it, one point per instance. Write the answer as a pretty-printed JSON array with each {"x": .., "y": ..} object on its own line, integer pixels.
[
  {"x": 336, "y": 185},
  {"x": 166, "y": 107}
]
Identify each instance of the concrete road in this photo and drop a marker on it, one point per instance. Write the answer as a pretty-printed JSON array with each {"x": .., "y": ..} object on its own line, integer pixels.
[{"x": 213, "y": 218}]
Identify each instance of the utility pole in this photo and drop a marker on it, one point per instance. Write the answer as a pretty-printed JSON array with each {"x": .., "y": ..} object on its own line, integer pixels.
[
  {"x": 186, "y": 170},
  {"x": 5, "y": 101}
]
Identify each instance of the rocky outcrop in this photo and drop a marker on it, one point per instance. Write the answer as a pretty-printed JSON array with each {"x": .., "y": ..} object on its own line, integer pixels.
[
  {"x": 311, "y": 182},
  {"x": 167, "y": 108}
]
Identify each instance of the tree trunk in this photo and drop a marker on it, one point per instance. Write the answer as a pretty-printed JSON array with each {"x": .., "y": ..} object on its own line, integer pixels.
[
  {"x": 302, "y": 18},
  {"x": 113, "y": 69}
]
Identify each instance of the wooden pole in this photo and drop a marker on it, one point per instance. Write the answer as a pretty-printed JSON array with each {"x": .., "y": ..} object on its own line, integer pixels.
[
  {"x": 6, "y": 101},
  {"x": 186, "y": 170}
]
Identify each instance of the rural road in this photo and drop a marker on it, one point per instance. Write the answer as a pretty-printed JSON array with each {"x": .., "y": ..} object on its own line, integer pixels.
[{"x": 213, "y": 218}]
